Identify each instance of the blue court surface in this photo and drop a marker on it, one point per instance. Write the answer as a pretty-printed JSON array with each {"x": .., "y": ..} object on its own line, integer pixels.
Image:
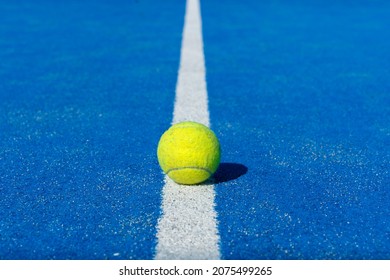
[{"x": 298, "y": 95}]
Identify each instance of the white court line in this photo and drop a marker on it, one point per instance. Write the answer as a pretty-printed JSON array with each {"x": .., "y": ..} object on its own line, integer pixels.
[{"x": 187, "y": 228}]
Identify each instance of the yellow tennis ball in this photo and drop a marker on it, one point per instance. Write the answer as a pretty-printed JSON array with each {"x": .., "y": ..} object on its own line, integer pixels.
[{"x": 189, "y": 153}]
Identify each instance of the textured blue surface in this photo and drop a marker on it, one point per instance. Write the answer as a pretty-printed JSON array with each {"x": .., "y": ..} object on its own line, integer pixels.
[
  {"x": 299, "y": 95},
  {"x": 81, "y": 85}
]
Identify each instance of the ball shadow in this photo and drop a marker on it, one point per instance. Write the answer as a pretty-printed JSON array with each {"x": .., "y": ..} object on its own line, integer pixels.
[{"x": 228, "y": 171}]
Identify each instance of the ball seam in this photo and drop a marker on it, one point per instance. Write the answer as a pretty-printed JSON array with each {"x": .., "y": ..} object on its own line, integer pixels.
[{"x": 189, "y": 167}]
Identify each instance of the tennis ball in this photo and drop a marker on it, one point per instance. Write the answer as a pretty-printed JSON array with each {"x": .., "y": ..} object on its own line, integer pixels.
[{"x": 189, "y": 153}]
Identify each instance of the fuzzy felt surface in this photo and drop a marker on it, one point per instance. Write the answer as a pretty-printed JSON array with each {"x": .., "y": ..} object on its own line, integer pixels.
[{"x": 298, "y": 95}]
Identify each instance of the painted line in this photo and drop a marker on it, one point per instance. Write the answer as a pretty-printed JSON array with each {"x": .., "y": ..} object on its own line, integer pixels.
[{"x": 187, "y": 228}]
